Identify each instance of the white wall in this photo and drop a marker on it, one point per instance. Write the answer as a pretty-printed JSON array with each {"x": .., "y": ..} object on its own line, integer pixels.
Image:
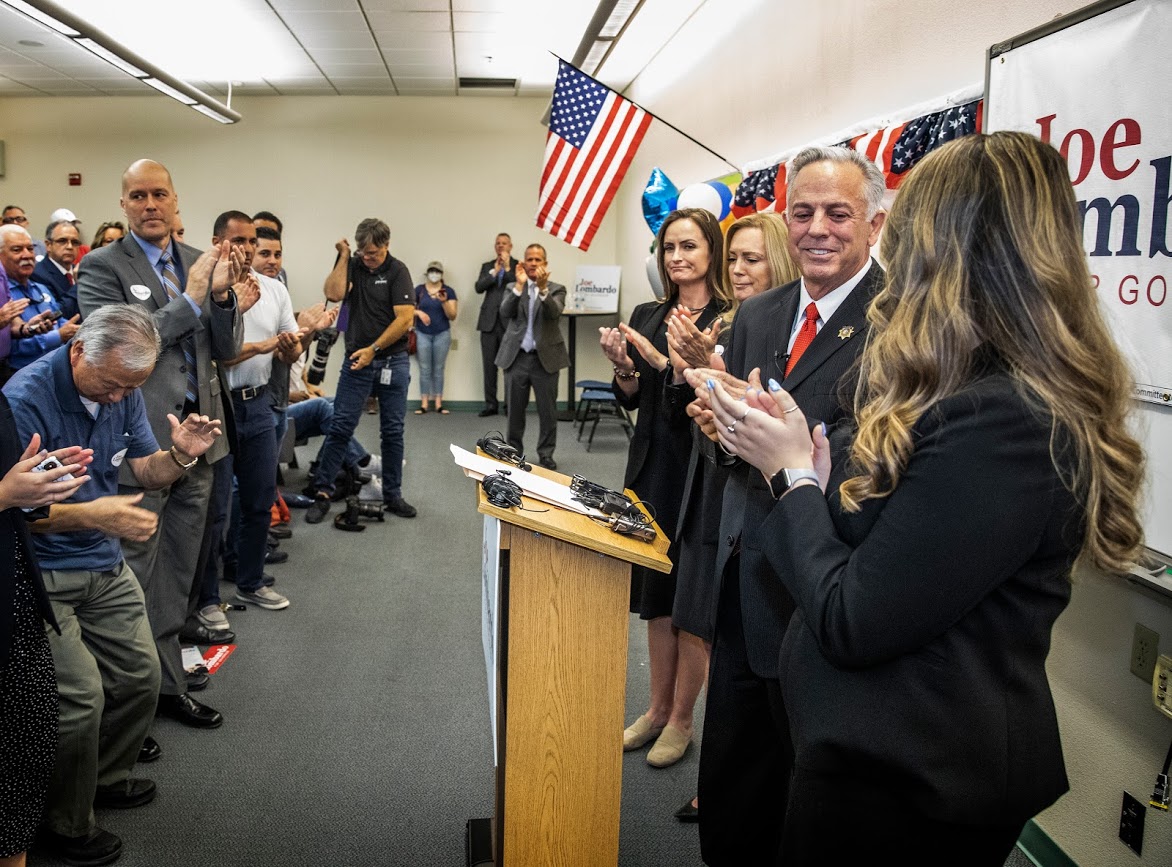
[
  {"x": 446, "y": 174},
  {"x": 783, "y": 74}
]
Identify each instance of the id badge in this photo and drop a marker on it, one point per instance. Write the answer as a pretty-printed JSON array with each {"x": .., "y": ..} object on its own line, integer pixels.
[{"x": 384, "y": 376}]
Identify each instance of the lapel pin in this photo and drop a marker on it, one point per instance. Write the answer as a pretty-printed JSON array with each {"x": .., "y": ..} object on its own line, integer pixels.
[{"x": 846, "y": 332}]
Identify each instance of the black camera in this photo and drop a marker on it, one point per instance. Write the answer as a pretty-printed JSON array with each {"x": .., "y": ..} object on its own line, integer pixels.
[
  {"x": 356, "y": 510},
  {"x": 326, "y": 338}
]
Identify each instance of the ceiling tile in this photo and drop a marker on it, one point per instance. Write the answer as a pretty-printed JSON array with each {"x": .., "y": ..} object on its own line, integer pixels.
[
  {"x": 482, "y": 22},
  {"x": 405, "y": 5},
  {"x": 422, "y": 70},
  {"x": 352, "y": 55},
  {"x": 361, "y": 81},
  {"x": 335, "y": 20},
  {"x": 483, "y": 5},
  {"x": 402, "y": 40},
  {"x": 334, "y": 39},
  {"x": 435, "y": 22},
  {"x": 313, "y": 5},
  {"x": 354, "y": 70}
]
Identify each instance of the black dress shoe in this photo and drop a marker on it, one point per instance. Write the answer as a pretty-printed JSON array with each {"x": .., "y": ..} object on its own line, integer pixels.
[
  {"x": 280, "y": 531},
  {"x": 274, "y": 557},
  {"x": 688, "y": 813},
  {"x": 197, "y": 680},
  {"x": 150, "y": 751},
  {"x": 122, "y": 796},
  {"x": 200, "y": 634},
  {"x": 548, "y": 463},
  {"x": 89, "y": 850},
  {"x": 317, "y": 510},
  {"x": 486, "y": 412},
  {"x": 185, "y": 709}
]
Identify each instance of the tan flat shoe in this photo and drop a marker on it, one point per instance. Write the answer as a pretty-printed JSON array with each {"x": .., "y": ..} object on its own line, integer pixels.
[
  {"x": 638, "y": 733},
  {"x": 669, "y": 748}
]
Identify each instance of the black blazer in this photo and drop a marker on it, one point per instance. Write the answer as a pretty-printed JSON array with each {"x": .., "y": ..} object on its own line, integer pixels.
[
  {"x": 917, "y": 655},
  {"x": 48, "y": 274},
  {"x": 819, "y": 382},
  {"x": 647, "y": 319},
  {"x": 14, "y": 532},
  {"x": 494, "y": 293}
]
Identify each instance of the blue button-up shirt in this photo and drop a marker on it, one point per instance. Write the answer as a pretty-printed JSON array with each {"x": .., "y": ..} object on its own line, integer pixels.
[{"x": 44, "y": 400}]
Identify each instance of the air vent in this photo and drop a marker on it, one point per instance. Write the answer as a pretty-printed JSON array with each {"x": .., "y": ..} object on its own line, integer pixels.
[{"x": 488, "y": 83}]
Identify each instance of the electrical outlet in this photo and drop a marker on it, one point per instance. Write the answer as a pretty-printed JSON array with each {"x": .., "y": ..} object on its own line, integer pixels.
[
  {"x": 1131, "y": 823},
  {"x": 1145, "y": 649}
]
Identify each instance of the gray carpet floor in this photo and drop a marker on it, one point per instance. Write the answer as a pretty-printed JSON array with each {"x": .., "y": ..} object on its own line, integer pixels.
[{"x": 356, "y": 721}]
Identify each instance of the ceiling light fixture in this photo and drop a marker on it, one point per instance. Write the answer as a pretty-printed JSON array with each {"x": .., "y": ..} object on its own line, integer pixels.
[
  {"x": 605, "y": 29},
  {"x": 100, "y": 45}
]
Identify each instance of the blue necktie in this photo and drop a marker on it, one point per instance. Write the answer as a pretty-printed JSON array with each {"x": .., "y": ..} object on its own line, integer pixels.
[
  {"x": 529, "y": 342},
  {"x": 171, "y": 287}
]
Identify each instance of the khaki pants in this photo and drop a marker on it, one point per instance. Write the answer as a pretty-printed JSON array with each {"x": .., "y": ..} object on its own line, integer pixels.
[{"x": 108, "y": 679}]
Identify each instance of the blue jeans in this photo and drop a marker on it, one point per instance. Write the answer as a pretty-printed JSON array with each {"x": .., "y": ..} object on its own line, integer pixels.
[
  {"x": 313, "y": 417},
  {"x": 255, "y": 466},
  {"x": 432, "y": 354},
  {"x": 354, "y": 387}
]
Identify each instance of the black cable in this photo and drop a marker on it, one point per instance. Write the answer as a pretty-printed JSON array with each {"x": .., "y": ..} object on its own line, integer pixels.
[{"x": 503, "y": 492}]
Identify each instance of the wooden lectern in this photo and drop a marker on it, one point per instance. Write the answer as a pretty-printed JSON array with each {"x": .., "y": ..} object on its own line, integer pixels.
[{"x": 561, "y": 683}]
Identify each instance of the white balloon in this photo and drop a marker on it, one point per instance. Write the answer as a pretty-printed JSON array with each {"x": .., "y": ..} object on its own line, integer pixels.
[
  {"x": 653, "y": 276},
  {"x": 700, "y": 196}
]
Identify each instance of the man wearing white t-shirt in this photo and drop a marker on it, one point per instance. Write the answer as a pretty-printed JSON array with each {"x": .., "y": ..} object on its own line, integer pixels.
[{"x": 269, "y": 327}]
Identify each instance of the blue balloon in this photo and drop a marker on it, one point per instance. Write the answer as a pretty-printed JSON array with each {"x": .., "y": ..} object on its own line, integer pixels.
[
  {"x": 726, "y": 197},
  {"x": 659, "y": 199}
]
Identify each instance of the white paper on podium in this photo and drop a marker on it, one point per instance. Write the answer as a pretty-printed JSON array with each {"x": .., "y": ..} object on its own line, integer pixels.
[{"x": 546, "y": 490}]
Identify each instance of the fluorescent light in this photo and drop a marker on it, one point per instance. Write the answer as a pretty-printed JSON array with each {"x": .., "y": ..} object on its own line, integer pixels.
[
  {"x": 112, "y": 58},
  {"x": 163, "y": 87},
  {"x": 213, "y": 114},
  {"x": 41, "y": 17}
]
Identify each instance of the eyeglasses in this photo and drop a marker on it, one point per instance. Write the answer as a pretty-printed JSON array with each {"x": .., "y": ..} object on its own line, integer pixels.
[
  {"x": 69, "y": 242},
  {"x": 7, "y": 221}
]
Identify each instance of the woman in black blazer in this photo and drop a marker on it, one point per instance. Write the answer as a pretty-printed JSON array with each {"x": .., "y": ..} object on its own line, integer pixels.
[
  {"x": 991, "y": 454},
  {"x": 688, "y": 248},
  {"x": 28, "y": 684}
]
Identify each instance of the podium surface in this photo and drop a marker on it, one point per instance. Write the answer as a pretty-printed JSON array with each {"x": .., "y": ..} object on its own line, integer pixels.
[{"x": 562, "y": 682}]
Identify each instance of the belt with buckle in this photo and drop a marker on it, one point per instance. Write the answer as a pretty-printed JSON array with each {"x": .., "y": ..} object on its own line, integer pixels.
[{"x": 249, "y": 393}]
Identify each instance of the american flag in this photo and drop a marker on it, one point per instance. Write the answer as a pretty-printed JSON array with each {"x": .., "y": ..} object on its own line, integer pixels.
[
  {"x": 897, "y": 148},
  {"x": 762, "y": 190},
  {"x": 593, "y": 136}
]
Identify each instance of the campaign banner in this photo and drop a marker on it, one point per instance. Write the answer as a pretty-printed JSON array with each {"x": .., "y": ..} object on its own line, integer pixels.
[
  {"x": 595, "y": 289},
  {"x": 1097, "y": 91}
]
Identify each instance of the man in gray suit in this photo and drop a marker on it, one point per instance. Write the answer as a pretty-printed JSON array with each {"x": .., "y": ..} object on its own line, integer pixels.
[
  {"x": 494, "y": 276},
  {"x": 198, "y": 324},
  {"x": 532, "y": 351}
]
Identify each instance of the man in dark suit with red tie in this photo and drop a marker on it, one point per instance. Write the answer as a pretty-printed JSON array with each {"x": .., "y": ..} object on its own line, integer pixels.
[
  {"x": 806, "y": 336},
  {"x": 58, "y": 269},
  {"x": 491, "y": 284}
]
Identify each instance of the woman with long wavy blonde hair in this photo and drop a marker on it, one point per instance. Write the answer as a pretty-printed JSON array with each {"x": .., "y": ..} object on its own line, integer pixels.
[{"x": 991, "y": 454}]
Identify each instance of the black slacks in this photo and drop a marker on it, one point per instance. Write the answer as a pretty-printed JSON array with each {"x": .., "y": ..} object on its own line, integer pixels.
[
  {"x": 490, "y": 344},
  {"x": 526, "y": 372},
  {"x": 746, "y": 755}
]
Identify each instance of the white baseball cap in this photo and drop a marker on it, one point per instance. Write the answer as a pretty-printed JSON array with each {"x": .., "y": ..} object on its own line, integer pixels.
[{"x": 63, "y": 214}]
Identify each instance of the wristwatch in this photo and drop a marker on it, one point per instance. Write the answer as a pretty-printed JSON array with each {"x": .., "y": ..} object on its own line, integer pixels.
[{"x": 785, "y": 478}]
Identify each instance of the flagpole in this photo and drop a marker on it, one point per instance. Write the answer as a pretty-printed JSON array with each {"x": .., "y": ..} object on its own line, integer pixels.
[{"x": 723, "y": 159}]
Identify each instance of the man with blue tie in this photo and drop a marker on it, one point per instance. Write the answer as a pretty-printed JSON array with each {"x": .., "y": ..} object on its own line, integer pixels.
[
  {"x": 199, "y": 323},
  {"x": 491, "y": 283},
  {"x": 533, "y": 351}
]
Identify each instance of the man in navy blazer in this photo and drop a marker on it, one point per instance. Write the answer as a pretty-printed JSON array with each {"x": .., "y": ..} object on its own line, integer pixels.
[
  {"x": 199, "y": 325},
  {"x": 806, "y": 336},
  {"x": 56, "y": 270},
  {"x": 494, "y": 276}
]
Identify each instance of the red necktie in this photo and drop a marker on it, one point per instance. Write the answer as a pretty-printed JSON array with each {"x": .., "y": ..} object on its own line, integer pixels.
[
  {"x": 70, "y": 278},
  {"x": 806, "y": 335}
]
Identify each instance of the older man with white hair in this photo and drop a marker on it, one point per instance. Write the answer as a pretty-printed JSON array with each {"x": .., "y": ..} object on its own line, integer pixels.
[{"x": 87, "y": 393}]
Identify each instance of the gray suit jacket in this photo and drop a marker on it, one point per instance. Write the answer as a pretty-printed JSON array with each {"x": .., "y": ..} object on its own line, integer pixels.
[
  {"x": 111, "y": 275},
  {"x": 551, "y": 348}
]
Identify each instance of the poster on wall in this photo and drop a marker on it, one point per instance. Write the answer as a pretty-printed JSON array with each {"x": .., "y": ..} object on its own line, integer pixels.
[
  {"x": 595, "y": 290},
  {"x": 1097, "y": 90}
]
